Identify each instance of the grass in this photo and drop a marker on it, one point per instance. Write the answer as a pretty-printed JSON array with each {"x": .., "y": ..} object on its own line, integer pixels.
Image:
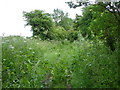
[{"x": 33, "y": 63}]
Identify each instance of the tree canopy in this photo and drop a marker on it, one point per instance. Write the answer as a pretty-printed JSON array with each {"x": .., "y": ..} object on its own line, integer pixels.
[
  {"x": 61, "y": 19},
  {"x": 40, "y": 21},
  {"x": 99, "y": 20}
]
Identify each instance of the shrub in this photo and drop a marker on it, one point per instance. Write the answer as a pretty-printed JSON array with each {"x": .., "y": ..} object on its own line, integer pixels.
[{"x": 59, "y": 33}]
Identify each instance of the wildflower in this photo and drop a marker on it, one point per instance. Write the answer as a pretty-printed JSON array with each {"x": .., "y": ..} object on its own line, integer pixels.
[
  {"x": 35, "y": 36},
  {"x": 33, "y": 52},
  {"x": 4, "y": 59},
  {"x": 30, "y": 48},
  {"x": 20, "y": 51},
  {"x": 56, "y": 53},
  {"x": 11, "y": 47},
  {"x": 65, "y": 39},
  {"x": 89, "y": 65},
  {"x": 37, "y": 43}
]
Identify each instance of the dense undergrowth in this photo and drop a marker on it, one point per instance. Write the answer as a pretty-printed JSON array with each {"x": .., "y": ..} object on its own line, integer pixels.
[{"x": 32, "y": 63}]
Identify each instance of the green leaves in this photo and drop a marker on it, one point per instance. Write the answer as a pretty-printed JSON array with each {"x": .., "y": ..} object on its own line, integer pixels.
[
  {"x": 61, "y": 19},
  {"x": 40, "y": 23},
  {"x": 53, "y": 64},
  {"x": 98, "y": 23}
]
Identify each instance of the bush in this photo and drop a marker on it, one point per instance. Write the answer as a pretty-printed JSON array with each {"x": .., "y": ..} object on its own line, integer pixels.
[{"x": 59, "y": 33}]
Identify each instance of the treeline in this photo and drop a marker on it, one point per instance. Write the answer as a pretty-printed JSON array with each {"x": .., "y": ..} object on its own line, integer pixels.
[
  {"x": 99, "y": 21},
  {"x": 56, "y": 26}
]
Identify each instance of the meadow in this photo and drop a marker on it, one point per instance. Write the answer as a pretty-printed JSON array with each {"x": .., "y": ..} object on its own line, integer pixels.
[{"x": 33, "y": 63}]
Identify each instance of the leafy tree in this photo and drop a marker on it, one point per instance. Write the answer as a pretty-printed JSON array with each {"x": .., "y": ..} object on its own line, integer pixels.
[
  {"x": 112, "y": 7},
  {"x": 41, "y": 23},
  {"x": 104, "y": 27},
  {"x": 101, "y": 19},
  {"x": 82, "y": 23},
  {"x": 58, "y": 15},
  {"x": 62, "y": 19},
  {"x": 66, "y": 23}
]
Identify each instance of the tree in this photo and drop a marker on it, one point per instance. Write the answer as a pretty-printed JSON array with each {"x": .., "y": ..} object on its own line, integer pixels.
[
  {"x": 111, "y": 7},
  {"x": 58, "y": 15},
  {"x": 62, "y": 19},
  {"x": 82, "y": 23},
  {"x": 101, "y": 19},
  {"x": 41, "y": 23},
  {"x": 66, "y": 23}
]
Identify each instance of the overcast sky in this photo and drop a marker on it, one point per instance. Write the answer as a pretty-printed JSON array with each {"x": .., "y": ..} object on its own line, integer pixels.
[{"x": 11, "y": 19}]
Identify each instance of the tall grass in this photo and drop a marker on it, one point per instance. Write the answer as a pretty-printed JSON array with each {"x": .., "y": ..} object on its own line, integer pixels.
[{"x": 32, "y": 63}]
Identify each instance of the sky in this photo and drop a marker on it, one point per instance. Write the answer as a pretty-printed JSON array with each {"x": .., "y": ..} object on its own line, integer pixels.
[{"x": 11, "y": 17}]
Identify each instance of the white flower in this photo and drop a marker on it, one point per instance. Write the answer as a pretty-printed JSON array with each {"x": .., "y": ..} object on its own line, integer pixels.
[
  {"x": 89, "y": 65},
  {"x": 30, "y": 48},
  {"x": 35, "y": 36},
  {"x": 33, "y": 52},
  {"x": 37, "y": 43},
  {"x": 20, "y": 51},
  {"x": 56, "y": 53},
  {"x": 4, "y": 59},
  {"x": 11, "y": 47},
  {"x": 65, "y": 39}
]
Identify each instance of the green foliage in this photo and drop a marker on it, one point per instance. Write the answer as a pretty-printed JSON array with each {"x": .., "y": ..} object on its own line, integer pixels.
[
  {"x": 94, "y": 69},
  {"x": 58, "y": 15},
  {"x": 61, "y": 19},
  {"x": 66, "y": 23},
  {"x": 104, "y": 27},
  {"x": 67, "y": 60},
  {"x": 41, "y": 23},
  {"x": 31, "y": 63},
  {"x": 107, "y": 18},
  {"x": 82, "y": 23},
  {"x": 98, "y": 23},
  {"x": 43, "y": 27},
  {"x": 59, "y": 33}
]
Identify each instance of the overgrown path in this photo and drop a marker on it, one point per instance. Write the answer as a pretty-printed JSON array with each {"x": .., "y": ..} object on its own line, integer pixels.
[{"x": 32, "y": 63}]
